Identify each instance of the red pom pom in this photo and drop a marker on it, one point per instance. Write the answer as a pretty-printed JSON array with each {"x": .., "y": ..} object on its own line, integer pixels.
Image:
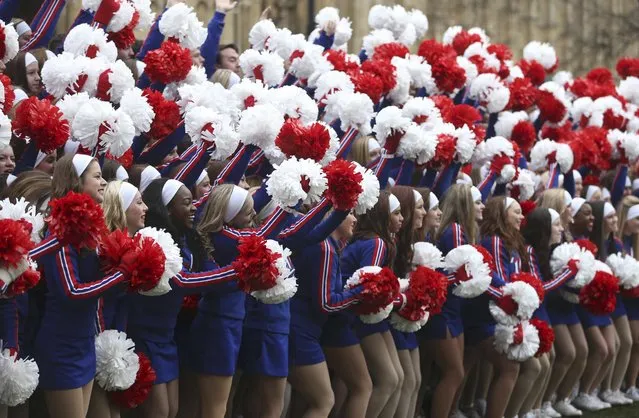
[
  {"x": 125, "y": 37},
  {"x": 460, "y": 115},
  {"x": 427, "y": 290},
  {"x": 524, "y": 135},
  {"x": 551, "y": 109},
  {"x": 126, "y": 160},
  {"x": 382, "y": 69},
  {"x": 488, "y": 258},
  {"x": 533, "y": 281},
  {"x": 389, "y": 50},
  {"x": 344, "y": 184},
  {"x": 77, "y": 220},
  {"x": 590, "y": 180},
  {"x": 558, "y": 133},
  {"x": 597, "y": 148},
  {"x": 443, "y": 103},
  {"x": 167, "y": 114},
  {"x": 368, "y": 84},
  {"x": 444, "y": 152},
  {"x": 255, "y": 264},
  {"x": 586, "y": 244},
  {"x": 378, "y": 291},
  {"x": 15, "y": 242},
  {"x": 523, "y": 94},
  {"x": 434, "y": 51},
  {"x": 25, "y": 282},
  {"x": 601, "y": 76},
  {"x": 501, "y": 51},
  {"x": 9, "y": 95},
  {"x": 297, "y": 140},
  {"x": 139, "y": 391},
  {"x": 149, "y": 265},
  {"x": 448, "y": 75},
  {"x": 626, "y": 67},
  {"x": 341, "y": 61},
  {"x": 534, "y": 71},
  {"x": 600, "y": 295},
  {"x": 546, "y": 336},
  {"x": 113, "y": 247},
  {"x": 480, "y": 63},
  {"x": 190, "y": 302},
  {"x": 499, "y": 162},
  {"x": 463, "y": 40},
  {"x": 507, "y": 304},
  {"x": 168, "y": 64},
  {"x": 42, "y": 122},
  {"x": 614, "y": 121},
  {"x": 527, "y": 206}
]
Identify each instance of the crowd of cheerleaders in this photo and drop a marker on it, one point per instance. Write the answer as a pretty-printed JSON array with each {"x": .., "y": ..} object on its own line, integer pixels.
[{"x": 126, "y": 267}]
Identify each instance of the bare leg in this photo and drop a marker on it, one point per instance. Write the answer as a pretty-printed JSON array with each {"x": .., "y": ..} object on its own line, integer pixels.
[
  {"x": 349, "y": 365},
  {"x": 100, "y": 406},
  {"x": 450, "y": 360},
  {"x": 414, "y": 355},
  {"x": 391, "y": 406},
  {"x": 623, "y": 356},
  {"x": 314, "y": 385},
  {"x": 270, "y": 396},
  {"x": 633, "y": 366},
  {"x": 408, "y": 388},
  {"x": 529, "y": 373},
  {"x": 157, "y": 404},
  {"x": 565, "y": 353},
  {"x": 610, "y": 338},
  {"x": 597, "y": 355},
  {"x": 68, "y": 403},
  {"x": 214, "y": 394},
  {"x": 173, "y": 393},
  {"x": 382, "y": 372},
  {"x": 506, "y": 372},
  {"x": 340, "y": 392},
  {"x": 577, "y": 368},
  {"x": 533, "y": 399}
]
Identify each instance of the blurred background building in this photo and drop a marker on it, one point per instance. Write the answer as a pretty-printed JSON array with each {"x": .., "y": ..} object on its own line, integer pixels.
[{"x": 585, "y": 33}]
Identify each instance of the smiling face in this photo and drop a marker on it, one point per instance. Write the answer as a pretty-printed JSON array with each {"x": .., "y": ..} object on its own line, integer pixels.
[
  {"x": 584, "y": 221},
  {"x": 136, "y": 214},
  {"x": 514, "y": 216},
  {"x": 479, "y": 210},
  {"x": 181, "y": 209},
  {"x": 419, "y": 214},
  {"x": 556, "y": 232},
  {"x": 202, "y": 188},
  {"x": 433, "y": 219},
  {"x": 345, "y": 230},
  {"x": 92, "y": 182},
  {"x": 396, "y": 220}
]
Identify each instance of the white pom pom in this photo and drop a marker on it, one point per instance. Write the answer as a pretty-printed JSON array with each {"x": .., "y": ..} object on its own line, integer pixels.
[
  {"x": 91, "y": 5},
  {"x": 343, "y": 33},
  {"x": 469, "y": 68},
  {"x": 600, "y": 106},
  {"x": 378, "y": 16},
  {"x": 562, "y": 254},
  {"x": 422, "y": 111},
  {"x": 565, "y": 157},
  {"x": 543, "y": 53},
  {"x": 402, "y": 324},
  {"x": 134, "y": 104},
  {"x": 450, "y": 34},
  {"x": 419, "y": 20},
  {"x": 286, "y": 283},
  {"x": 629, "y": 89},
  {"x": 417, "y": 144},
  {"x": 468, "y": 258},
  {"x": 86, "y": 123},
  {"x": 260, "y": 34},
  {"x": 427, "y": 255},
  {"x": 70, "y": 104},
  {"x": 370, "y": 190},
  {"x": 626, "y": 268},
  {"x": 331, "y": 82},
  {"x": 285, "y": 182},
  {"x": 11, "y": 45},
  {"x": 172, "y": 263},
  {"x": 325, "y": 16},
  {"x": 60, "y": 73},
  {"x": 514, "y": 72},
  {"x": 354, "y": 281},
  {"x": 5, "y": 130},
  {"x": 146, "y": 14},
  {"x": 478, "y": 49},
  {"x": 260, "y": 125},
  {"x": 465, "y": 145},
  {"x": 205, "y": 124},
  {"x": 313, "y": 61},
  {"x": 196, "y": 76},
  {"x": 400, "y": 93},
  {"x": 520, "y": 350},
  {"x": 119, "y": 136},
  {"x": 540, "y": 152},
  {"x": 18, "y": 378},
  {"x": 526, "y": 298},
  {"x": 563, "y": 78},
  {"x": 355, "y": 110},
  {"x": 249, "y": 93},
  {"x": 295, "y": 103},
  {"x": 490, "y": 92},
  {"x": 22, "y": 209},
  {"x": 408, "y": 36},
  {"x": 284, "y": 43},
  {"x": 116, "y": 361},
  {"x": 420, "y": 73},
  {"x": 121, "y": 79},
  {"x": 122, "y": 17},
  {"x": 490, "y": 148},
  {"x": 264, "y": 66},
  {"x": 524, "y": 180},
  {"x": 84, "y": 38},
  {"x": 181, "y": 23},
  {"x": 375, "y": 38},
  {"x": 388, "y": 121},
  {"x": 507, "y": 121}
]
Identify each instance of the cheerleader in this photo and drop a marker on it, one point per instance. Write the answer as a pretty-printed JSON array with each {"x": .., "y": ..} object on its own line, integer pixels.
[
  {"x": 64, "y": 346},
  {"x": 461, "y": 209},
  {"x": 24, "y": 72},
  {"x": 364, "y": 150},
  {"x": 373, "y": 245},
  {"x": 202, "y": 186},
  {"x": 433, "y": 216},
  {"x": 7, "y": 159},
  {"x": 628, "y": 233}
]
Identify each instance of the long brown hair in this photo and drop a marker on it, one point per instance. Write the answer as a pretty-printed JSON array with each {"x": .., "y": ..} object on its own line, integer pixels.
[
  {"x": 406, "y": 236},
  {"x": 626, "y": 203},
  {"x": 458, "y": 207},
  {"x": 422, "y": 232},
  {"x": 65, "y": 178},
  {"x": 495, "y": 223},
  {"x": 17, "y": 72},
  {"x": 376, "y": 224}
]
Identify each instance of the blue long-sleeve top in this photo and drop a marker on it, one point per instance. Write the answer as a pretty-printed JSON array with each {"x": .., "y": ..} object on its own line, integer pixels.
[
  {"x": 189, "y": 174},
  {"x": 153, "y": 39},
  {"x": 383, "y": 166},
  {"x": 212, "y": 43},
  {"x": 619, "y": 185},
  {"x": 9, "y": 323},
  {"x": 507, "y": 262},
  {"x": 486, "y": 186},
  {"x": 44, "y": 23},
  {"x": 362, "y": 253},
  {"x": 556, "y": 281},
  {"x": 8, "y": 9},
  {"x": 161, "y": 148},
  {"x": 446, "y": 179},
  {"x": 569, "y": 183},
  {"x": 324, "y": 40}
]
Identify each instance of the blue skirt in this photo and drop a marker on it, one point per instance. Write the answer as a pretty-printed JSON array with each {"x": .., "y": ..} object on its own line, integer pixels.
[
  {"x": 264, "y": 353},
  {"x": 589, "y": 320},
  {"x": 214, "y": 345},
  {"x": 163, "y": 356},
  {"x": 364, "y": 330},
  {"x": 561, "y": 312},
  {"x": 338, "y": 331},
  {"x": 449, "y": 320},
  {"x": 620, "y": 308},
  {"x": 304, "y": 347},
  {"x": 404, "y": 340},
  {"x": 632, "y": 308},
  {"x": 64, "y": 362},
  {"x": 542, "y": 313}
]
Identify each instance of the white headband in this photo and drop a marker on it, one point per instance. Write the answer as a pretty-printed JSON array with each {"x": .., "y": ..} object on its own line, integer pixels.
[
  {"x": 464, "y": 179},
  {"x": 576, "y": 204},
  {"x": 576, "y": 175},
  {"x": 633, "y": 212},
  {"x": 22, "y": 28},
  {"x": 200, "y": 179},
  {"x": 475, "y": 193},
  {"x": 635, "y": 184},
  {"x": 393, "y": 203},
  {"x": 71, "y": 147},
  {"x": 233, "y": 80},
  {"x": 591, "y": 191},
  {"x": 605, "y": 193},
  {"x": 433, "y": 201},
  {"x": 417, "y": 196},
  {"x": 628, "y": 183},
  {"x": 567, "y": 198},
  {"x": 127, "y": 194},
  {"x": 49, "y": 54},
  {"x": 169, "y": 190},
  {"x": 235, "y": 204},
  {"x": 29, "y": 59},
  {"x": 10, "y": 179},
  {"x": 81, "y": 162},
  {"x": 608, "y": 209},
  {"x": 373, "y": 145},
  {"x": 121, "y": 174},
  {"x": 553, "y": 215},
  {"x": 20, "y": 96},
  {"x": 508, "y": 202},
  {"x": 148, "y": 175},
  {"x": 41, "y": 156}
]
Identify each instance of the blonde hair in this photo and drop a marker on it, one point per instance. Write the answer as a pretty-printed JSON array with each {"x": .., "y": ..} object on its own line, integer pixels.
[
  {"x": 222, "y": 76},
  {"x": 214, "y": 211},
  {"x": 554, "y": 199},
  {"x": 359, "y": 151},
  {"x": 458, "y": 207},
  {"x": 112, "y": 206},
  {"x": 622, "y": 211}
]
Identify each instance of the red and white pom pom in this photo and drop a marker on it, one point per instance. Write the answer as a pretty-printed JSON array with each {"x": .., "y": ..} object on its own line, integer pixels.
[
  {"x": 390, "y": 126},
  {"x": 625, "y": 145},
  {"x": 172, "y": 263},
  {"x": 370, "y": 190},
  {"x": 375, "y": 38},
  {"x": 211, "y": 95},
  {"x": 627, "y": 269},
  {"x": 19, "y": 378},
  {"x": 117, "y": 363},
  {"x": 66, "y": 74},
  {"x": 543, "y": 53},
  {"x": 249, "y": 93},
  {"x": 118, "y": 136},
  {"x": 285, "y": 283},
  {"x": 309, "y": 62},
  {"x": 344, "y": 184},
  {"x": 260, "y": 125},
  {"x": 204, "y": 124},
  {"x": 378, "y": 16},
  {"x": 420, "y": 73},
  {"x": 490, "y": 92},
  {"x": 294, "y": 103},
  {"x": 600, "y": 295},
  {"x": 607, "y": 112},
  {"x": 260, "y": 34},
  {"x": 423, "y": 112},
  {"x": 41, "y": 122},
  {"x": 380, "y": 287},
  {"x": 170, "y": 63},
  {"x": 114, "y": 81},
  {"x": 519, "y": 342},
  {"x": 570, "y": 254},
  {"x": 482, "y": 58},
  {"x": 355, "y": 110},
  {"x": 465, "y": 144},
  {"x": 472, "y": 271},
  {"x": 427, "y": 255},
  {"x": 21, "y": 209},
  {"x": 523, "y": 185},
  {"x": 71, "y": 104},
  {"x": 9, "y": 46},
  {"x": 296, "y": 180},
  {"x": 546, "y": 152},
  {"x": 425, "y": 294},
  {"x": 416, "y": 144},
  {"x": 136, "y": 105},
  {"x": 553, "y": 102},
  {"x": 332, "y": 82},
  {"x": 629, "y": 89},
  {"x": 316, "y": 141},
  {"x": 143, "y": 7},
  {"x": 546, "y": 336},
  {"x": 518, "y": 303},
  {"x": 87, "y": 41},
  {"x": 77, "y": 220},
  {"x": 283, "y": 42},
  {"x": 139, "y": 391},
  {"x": 264, "y": 66},
  {"x": 180, "y": 22},
  {"x": 493, "y": 149},
  {"x": 470, "y": 73},
  {"x": 7, "y": 95},
  {"x": 195, "y": 77}
]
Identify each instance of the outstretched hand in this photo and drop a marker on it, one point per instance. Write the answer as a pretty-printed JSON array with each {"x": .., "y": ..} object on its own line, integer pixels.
[
  {"x": 266, "y": 13},
  {"x": 225, "y": 6}
]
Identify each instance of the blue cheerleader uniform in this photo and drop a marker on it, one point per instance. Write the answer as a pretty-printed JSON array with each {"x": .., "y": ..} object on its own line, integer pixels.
[
  {"x": 541, "y": 312},
  {"x": 358, "y": 254},
  {"x": 450, "y": 318},
  {"x": 561, "y": 311},
  {"x": 620, "y": 307},
  {"x": 631, "y": 304},
  {"x": 9, "y": 323},
  {"x": 315, "y": 307},
  {"x": 65, "y": 346}
]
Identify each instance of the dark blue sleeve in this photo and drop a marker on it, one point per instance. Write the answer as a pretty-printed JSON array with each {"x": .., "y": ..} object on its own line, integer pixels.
[
  {"x": 324, "y": 40},
  {"x": 236, "y": 167},
  {"x": 153, "y": 40},
  {"x": 139, "y": 142},
  {"x": 346, "y": 142},
  {"x": 189, "y": 174},
  {"x": 9, "y": 323},
  {"x": 211, "y": 45},
  {"x": 446, "y": 179},
  {"x": 405, "y": 173},
  {"x": 428, "y": 178},
  {"x": 44, "y": 23},
  {"x": 619, "y": 185},
  {"x": 486, "y": 186},
  {"x": 309, "y": 229},
  {"x": 261, "y": 198},
  {"x": 8, "y": 9},
  {"x": 156, "y": 153},
  {"x": 383, "y": 168},
  {"x": 27, "y": 160},
  {"x": 569, "y": 183}
]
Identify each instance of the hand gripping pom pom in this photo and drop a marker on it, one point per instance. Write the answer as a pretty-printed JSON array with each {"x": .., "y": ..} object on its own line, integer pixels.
[
  {"x": 40, "y": 121},
  {"x": 379, "y": 287},
  {"x": 518, "y": 303},
  {"x": 172, "y": 259},
  {"x": 296, "y": 180},
  {"x": 18, "y": 378},
  {"x": 344, "y": 184},
  {"x": 519, "y": 342},
  {"x": 471, "y": 268},
  {"x": 627, "y": 269},
  {"x": 117, "y": 364},
  {"x": 304, "y": 142},
  {"x": 77, "y": 220},
  {"x": 139, "y": 391}
]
